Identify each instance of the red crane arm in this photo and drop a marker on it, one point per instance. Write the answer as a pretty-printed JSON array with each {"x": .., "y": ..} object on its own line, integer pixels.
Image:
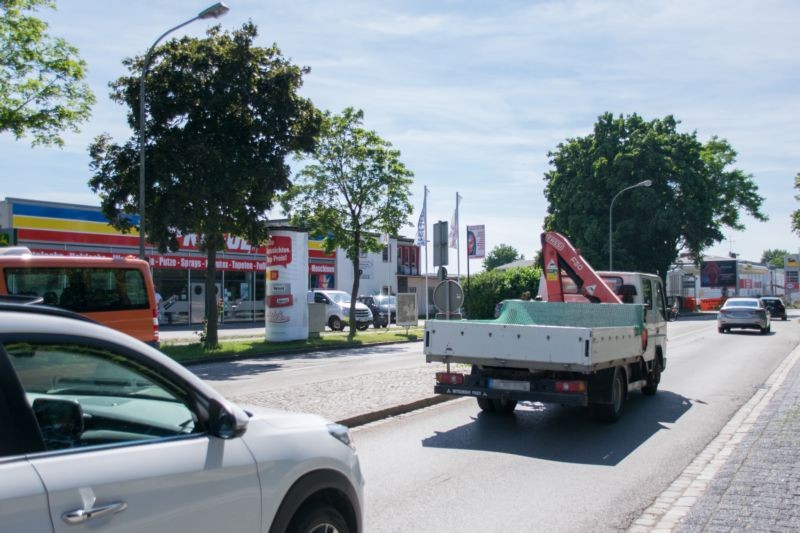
[{"x": 559, "y": 255}]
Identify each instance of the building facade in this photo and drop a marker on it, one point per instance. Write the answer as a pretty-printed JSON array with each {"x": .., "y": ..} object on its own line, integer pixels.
[{"x": 180, "y": 276}]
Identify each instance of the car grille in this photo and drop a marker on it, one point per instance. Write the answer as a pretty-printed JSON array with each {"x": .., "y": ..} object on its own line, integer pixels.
[{"x": 363, "y": 314}]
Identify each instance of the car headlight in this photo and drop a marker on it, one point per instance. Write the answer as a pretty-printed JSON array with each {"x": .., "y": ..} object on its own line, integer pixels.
[{"x": 342, "y": 434}]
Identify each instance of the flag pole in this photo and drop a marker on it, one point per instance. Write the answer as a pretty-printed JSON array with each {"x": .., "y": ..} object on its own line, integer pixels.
[
  {"x": 458, "y": 241},
  {"x": 425, "y": 210}
]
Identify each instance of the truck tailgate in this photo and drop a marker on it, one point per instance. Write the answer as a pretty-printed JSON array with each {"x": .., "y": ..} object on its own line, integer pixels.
[{"x": 537, "y": 347}]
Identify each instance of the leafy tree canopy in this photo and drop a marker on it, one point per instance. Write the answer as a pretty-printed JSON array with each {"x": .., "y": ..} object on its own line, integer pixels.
[
  {"x": 796, "y": 213},
  {"x": 695, "y": 192},
  {"x": 500, "y": 255},
  {"x": 774, "y": 257},
  {"x": 223, "y": 116},
  {"x": 355, "y": 189},
  {"x": 42, "y": 87}
]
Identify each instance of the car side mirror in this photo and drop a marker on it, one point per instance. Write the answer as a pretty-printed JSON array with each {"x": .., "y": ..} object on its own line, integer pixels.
[
  {"x": 226, "y": 421},
  {"x": 60, "y": 421}
]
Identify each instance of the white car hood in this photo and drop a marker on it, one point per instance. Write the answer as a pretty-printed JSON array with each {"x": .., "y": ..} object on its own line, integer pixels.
[{"x": 285, "y": 419}]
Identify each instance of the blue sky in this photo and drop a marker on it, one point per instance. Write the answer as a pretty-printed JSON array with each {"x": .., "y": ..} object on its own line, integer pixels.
[{"x": 474, "y": 94}]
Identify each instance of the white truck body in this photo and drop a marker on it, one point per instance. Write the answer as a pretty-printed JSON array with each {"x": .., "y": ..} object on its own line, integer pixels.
[
  {"x": 558, "y": 362},
  {"x": 534, "y": 347}
]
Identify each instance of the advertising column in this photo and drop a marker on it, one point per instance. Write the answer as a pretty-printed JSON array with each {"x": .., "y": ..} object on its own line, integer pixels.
[{"x": 287, "y": 286}]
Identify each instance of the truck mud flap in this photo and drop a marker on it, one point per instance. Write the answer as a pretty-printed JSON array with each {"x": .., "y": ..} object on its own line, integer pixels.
[{"x": 522, "y": 396}]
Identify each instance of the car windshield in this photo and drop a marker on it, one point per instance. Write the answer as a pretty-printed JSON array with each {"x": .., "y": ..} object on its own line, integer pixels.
[
  {"x": 383, "y": 300},
  {"x": 340, "y": 297},
  {"x": 741, "y": 303}
]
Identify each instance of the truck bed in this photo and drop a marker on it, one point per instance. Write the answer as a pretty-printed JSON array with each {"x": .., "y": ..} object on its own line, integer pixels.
[{"x": 523, "y": 338}]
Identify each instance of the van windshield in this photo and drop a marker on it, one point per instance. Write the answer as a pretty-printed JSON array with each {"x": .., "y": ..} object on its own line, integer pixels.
[
  {"x": 81, "y": 289},
  {"x": 339, "y": 297}
]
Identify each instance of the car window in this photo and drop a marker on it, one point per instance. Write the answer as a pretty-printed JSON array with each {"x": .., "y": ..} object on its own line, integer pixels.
[
  {"x": 339, "y": 297},
  {"x": 742, "y": 303},
  {"x": 647, "y": 294},
  {"x": 660, "y": 303},
  {"x": 84, "y": 396}
]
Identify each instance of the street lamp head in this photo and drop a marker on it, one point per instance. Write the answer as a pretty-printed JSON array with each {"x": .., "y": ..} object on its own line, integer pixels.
[
  {"x": 215, "y": 11},
  {"x": 645, "y": 183}
]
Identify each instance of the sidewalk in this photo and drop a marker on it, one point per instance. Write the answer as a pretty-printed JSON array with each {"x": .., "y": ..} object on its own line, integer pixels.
[{"x": 748, "y": 477}]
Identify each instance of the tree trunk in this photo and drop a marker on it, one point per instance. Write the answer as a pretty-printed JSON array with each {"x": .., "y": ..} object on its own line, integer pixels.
[
  {"x": 212, "y": 337},
  {"x": 354, "y": 292}
]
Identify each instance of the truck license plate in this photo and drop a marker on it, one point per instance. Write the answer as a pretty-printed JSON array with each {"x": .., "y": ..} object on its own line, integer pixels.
[{"x": 506, "y": 384}]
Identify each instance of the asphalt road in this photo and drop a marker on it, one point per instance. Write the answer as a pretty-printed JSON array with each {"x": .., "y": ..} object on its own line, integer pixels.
[{"x": 551, "y": 468}]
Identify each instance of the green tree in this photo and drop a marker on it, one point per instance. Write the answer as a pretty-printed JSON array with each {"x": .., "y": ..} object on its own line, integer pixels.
[
  {"x": 486, "y": 289},
  {"x": 355, "y": 189},
  {"x": 224, "y": 115},
  {"x": 42, "y": 87},
  {"x": 500, "y": 255},
  {"x": 695, "y": 192},
  {"x": 796, "y": 213},
  {"x": 774, "y": 257}
]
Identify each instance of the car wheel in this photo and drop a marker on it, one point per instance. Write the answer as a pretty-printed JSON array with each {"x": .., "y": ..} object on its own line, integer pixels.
[
  {"x": 783, "y": 318},
  {"x": 721, "y": 329},
  {"x": 318, "y": 519},
  {"x": 336, "y": 324},
  {"x": 362, "y": 327}
]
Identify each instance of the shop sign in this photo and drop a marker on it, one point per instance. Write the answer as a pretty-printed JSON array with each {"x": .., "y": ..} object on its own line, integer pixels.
[{"x": 279, "y": 251}]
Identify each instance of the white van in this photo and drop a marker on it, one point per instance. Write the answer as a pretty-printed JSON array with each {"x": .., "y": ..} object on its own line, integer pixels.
[{"x": 337, "y": 309}]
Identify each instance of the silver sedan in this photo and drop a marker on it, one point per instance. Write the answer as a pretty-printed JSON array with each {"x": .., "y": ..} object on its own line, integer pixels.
[{"x": 745, "y": 313}]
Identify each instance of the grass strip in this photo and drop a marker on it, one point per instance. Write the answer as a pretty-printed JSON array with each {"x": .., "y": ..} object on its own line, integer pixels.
[{"x": 192, "y": 353}]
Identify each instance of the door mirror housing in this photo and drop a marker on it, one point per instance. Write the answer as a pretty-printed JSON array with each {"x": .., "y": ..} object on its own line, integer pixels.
[{"x": 226, "y": 421}]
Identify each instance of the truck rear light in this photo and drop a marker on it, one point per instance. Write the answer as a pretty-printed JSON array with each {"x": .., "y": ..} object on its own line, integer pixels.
[
  {"x": 449, "y": 378},
  {"x": 570, "y": 386}
]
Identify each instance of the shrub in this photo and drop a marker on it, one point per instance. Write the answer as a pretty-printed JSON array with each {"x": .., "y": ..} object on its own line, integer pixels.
[{"x": 486, "y": 289}]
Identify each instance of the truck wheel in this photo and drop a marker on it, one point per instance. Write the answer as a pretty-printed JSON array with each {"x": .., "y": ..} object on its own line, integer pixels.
[
  {"x": 336, "y": 323},
  {"x": 653, "y": 378},
  {"x": 611, "y": 412},
  {"x": 486, "y": 405},
  {"x": 504, "y": 406}
]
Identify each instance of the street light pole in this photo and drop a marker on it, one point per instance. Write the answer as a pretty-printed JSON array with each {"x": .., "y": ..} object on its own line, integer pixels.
[
  {"x": 215, "y": 11},
  {"x": 645, "y": 183}
]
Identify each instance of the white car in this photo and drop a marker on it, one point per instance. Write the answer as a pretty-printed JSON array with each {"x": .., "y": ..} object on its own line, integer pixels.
[
  {"x": 744, "y": 313},
  {"x": 337, "y": 309},
  {"x": 101, "y": 432}
]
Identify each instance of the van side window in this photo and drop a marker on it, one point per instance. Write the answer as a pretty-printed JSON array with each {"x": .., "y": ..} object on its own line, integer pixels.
[
  {"x": 81, "y": 289},
  {"x": 647, "y": 294}
]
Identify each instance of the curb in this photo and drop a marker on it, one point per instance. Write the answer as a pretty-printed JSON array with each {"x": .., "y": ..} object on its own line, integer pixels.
[
  {"x": 366, "y": 418},
  {"x": 674, "y": 504}
]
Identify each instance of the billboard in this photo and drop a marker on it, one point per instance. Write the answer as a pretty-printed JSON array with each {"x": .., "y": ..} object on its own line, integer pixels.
[
  {"x": 718, "y": 274},
  {"x": 287, "y": 286},
  {"x": 476, "y": 242}
]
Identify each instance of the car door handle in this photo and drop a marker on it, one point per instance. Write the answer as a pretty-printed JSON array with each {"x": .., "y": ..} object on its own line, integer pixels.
[{"x": 79, "y": 516}]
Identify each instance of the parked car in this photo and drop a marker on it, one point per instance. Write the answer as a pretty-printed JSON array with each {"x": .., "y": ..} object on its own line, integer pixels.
[
  {"x": 102, "y": 431},
  {"x": 775, "y": 307},
  {"x": 337, "y": 309},
  {"x": 382, "y": 307},
  {"x": 745, "y": 313}
]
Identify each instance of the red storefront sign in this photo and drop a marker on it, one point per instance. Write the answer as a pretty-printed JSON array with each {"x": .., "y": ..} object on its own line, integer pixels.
[
  {"x": 279, "y": 251},
  {"x": 173, "y": 262},
  {"x": 321, "y": 268}
]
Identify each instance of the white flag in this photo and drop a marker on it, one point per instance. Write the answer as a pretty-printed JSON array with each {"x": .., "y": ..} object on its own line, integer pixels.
[
  {"x": 453, "y": 237},
  {"x": 423, "y": 221}
]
